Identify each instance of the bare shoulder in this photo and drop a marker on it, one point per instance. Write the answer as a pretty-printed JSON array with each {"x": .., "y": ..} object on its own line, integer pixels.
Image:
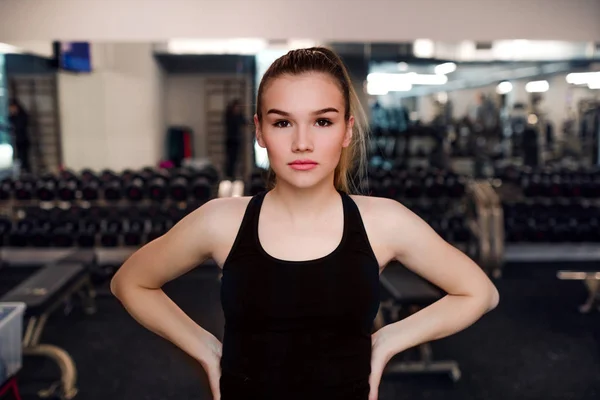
[
  {"x": 220, "y": 214},
  {"x": 385, "y": 221},
  {"x": 222, "y": 219},
  {"x": 381, "y": 210}
]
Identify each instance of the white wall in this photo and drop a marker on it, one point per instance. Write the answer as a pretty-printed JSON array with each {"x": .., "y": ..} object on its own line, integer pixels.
[
  {"x": 356, "y": 20},
  {"x": 113, "y": 117},
  {"x": 184, "y": 105},
  {"x": 82, "y": 103}
]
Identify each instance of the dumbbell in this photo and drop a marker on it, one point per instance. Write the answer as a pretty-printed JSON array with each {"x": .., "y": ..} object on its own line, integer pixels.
[
  {"x": 67, "y": 189},
  {"x": 459, "y": 232},
  {"x": 108, "y": 175},
  {"x": 6, "y": 188},
  {"x": 389, "y": 184},
  {"x": 413, "y": 187},
  {"x": 178, "y": 187},
  {"x": 110, "y": 230},
  {"x": 434, "y": 185},
  {"x": 135, "y": 189},
  {"x": 531, "y": 184},
  {"x": 46, "y": 188},
  {"x": 19, "y": 233},
  {"x": 59, "y": 224},
  {"x": 210, "y": 173},
  {"x": 67, "y": 175},
  {"x": 65, "y": 234},
  {"x": 87, "y": 175},
  {"x": 158, "y": 188},
  {"x": 133, "y": 234},
  {"x": 454, "y": 185},
  {"x": 159, "y": 226},
  {"x": 88, "y": 230},
  {"x": 127, "y": 175},
  {"x": 5, "y": 228},
  {"x": 201, "y": 189},
  {"x": 31, "y": 232},
  {"x": 24, "y": 189},
  {"x": 90, "y": 190},
  {"x": 113, "y": 191}
]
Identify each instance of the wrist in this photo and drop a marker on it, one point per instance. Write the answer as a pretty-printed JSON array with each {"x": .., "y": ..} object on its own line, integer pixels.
[{"x": 382, "y": 341}]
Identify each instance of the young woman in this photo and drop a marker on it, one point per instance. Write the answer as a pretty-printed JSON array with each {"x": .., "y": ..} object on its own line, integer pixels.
[{"x": 301, "y": 262}]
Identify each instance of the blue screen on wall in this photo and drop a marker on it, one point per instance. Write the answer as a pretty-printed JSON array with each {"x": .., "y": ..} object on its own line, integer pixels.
[{"x": 75, "y": 56}]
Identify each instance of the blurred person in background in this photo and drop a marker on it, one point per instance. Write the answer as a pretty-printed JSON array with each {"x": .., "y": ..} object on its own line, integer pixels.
[
  {"x": 234, "y": 131},
  {"x": 19, "y": 122},
  {"x": 486, "y": 113}
]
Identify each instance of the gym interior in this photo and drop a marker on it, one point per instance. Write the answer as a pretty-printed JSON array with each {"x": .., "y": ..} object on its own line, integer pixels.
[{"x": 484, "y": 120}]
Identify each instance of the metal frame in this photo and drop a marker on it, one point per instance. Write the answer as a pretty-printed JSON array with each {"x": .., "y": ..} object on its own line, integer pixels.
[
  {"x": 481, "y": 224},
  {"x": 592, "y": 282},
  {"x": 66, "y": 387},
  {"x": 496, "y": 230},
  {"x": 83, "y": 288},
  {"x": 426, "y": 364}
]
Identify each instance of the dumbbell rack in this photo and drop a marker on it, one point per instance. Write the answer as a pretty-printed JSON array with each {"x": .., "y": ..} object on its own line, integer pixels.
[
  {"x": 535, "y": 253},
  {"x": 120, "y": 213}
]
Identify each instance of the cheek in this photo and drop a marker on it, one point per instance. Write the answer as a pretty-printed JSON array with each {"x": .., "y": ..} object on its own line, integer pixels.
[
  {"x": 276, "y": 145},
  {"x": 331, "y": 143}
]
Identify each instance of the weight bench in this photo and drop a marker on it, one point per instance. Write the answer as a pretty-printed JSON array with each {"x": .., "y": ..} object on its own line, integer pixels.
[
  {"x": 53, "y": 285},
  {"x": 592, "y": 281},
  {"x": 406, "y": 291}
]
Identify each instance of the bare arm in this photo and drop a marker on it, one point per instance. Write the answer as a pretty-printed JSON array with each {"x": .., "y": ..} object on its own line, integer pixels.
[
  {"x": 138, "y": 282},
  {"x": 470, "y": 293}
]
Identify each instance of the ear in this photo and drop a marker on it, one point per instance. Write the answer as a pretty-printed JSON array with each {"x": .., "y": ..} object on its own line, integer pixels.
[
  {"x": 349, "y": 130},
  {"x": 258, "y": 133}
]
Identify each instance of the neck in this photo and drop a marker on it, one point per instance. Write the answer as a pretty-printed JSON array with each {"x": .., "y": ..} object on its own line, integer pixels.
[{"x": 304, "y": 203}]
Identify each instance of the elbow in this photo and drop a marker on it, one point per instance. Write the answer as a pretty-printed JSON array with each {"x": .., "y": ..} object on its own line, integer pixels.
[
  {"x": 114, "y": 286},
  {"x": 117, "y": 285},
  {"x": 493, "y": 298}
]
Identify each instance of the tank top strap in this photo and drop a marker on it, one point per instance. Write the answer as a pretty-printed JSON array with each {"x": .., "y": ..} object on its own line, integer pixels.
[
  {"x": 245, "y": 240},
  {"x": 355, "y": 227}
]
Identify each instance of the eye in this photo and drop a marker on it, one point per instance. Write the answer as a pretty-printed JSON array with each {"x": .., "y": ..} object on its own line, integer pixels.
[
  {"x": 323, "y": 122},
  {"x": 281, "y": 124}
]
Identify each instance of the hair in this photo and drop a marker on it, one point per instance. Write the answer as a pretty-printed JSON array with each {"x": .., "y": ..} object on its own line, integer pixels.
[{"x": 350, "y": 172}]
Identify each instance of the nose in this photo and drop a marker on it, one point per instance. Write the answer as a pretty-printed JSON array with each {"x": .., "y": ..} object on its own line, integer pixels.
[{"x": 302, "y": 140}]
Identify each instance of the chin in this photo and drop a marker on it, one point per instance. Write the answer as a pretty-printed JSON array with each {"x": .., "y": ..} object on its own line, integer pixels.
[{"x": 304, "y": 181}]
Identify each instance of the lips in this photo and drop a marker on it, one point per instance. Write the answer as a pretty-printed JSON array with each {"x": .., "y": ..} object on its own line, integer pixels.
[
  {"x": 303, "y": 162},
  {"x": 303, "y": 165}
]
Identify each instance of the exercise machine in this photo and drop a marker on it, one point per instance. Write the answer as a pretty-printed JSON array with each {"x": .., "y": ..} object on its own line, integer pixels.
[
  {"x": 405, "y": 293},
  {"x": 57, "y": 281}
]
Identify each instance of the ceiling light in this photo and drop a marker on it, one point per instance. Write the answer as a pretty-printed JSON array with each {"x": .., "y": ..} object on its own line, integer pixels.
[
  {"x": 537, "y": 87},
  {"x": 504, "y": 87},
  {"x": 582, "y": 78},
  {"x": 423, "y": 48},
  {"x": 446, "y": 68}
]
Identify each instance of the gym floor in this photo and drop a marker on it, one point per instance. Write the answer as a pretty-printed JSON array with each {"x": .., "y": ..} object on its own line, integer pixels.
[{"x": 535, "y": 345}]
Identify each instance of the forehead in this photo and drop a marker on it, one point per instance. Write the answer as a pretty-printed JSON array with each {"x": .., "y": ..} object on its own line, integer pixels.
[{"x": 302, "y": 93}]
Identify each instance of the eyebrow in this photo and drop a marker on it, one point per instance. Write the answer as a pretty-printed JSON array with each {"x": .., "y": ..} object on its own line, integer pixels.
[{"x": 287, "y": 114}]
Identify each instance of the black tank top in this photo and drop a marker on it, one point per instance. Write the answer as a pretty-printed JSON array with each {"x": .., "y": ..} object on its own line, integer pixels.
[{"x": 294, "y": 326}]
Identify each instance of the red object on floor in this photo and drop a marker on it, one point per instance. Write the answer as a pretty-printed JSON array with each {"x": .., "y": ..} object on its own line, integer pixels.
[
  {"x": 187, "y": 144},
  {"x": 10, "y": 386}
]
